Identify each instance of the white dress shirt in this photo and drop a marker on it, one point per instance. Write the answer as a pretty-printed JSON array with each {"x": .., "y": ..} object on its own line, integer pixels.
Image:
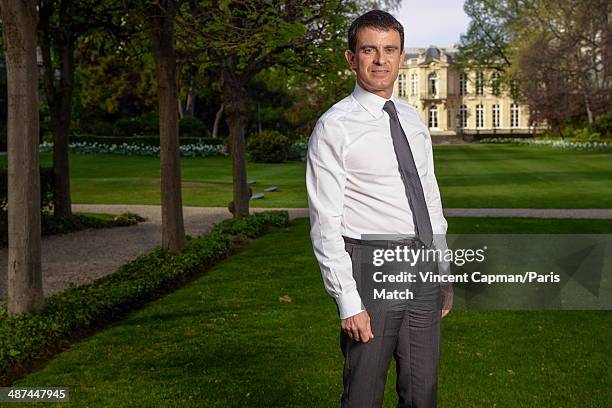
[{"x": 354, "y": 184}]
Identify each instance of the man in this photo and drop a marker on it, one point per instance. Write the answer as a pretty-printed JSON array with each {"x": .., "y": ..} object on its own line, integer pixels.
[{"x": 370, "y": 171}]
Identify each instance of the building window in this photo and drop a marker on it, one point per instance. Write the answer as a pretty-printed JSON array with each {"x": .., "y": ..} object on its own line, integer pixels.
[
  {"x": 495, "y": 83},
  {"x": 414, "y": 89},
  {"x": 402, "y": 85},
  {"x": 462, "y": 84},
  {"x": 463, "y": 116},
  {"x": 479, "y": 83},
  {"x": 433, "y": 84},
  {"x": 514, "y": 89},
  {"x": 514, "y": 115},
  {"x": 479, "y": 116},
  {"x": 495, "y": 118},
  {"x": 433, "y": 117}
]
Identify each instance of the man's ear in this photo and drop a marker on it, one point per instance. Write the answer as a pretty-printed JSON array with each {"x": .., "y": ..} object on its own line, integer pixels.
[{"x": 350, "y": 58}]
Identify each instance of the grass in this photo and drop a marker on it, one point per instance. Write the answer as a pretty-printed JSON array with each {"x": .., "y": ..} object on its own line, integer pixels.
[
  {"x": 225, "y": 340},
  {"x": 477, "y": 176},
  {"x": 523, "y": 176}
]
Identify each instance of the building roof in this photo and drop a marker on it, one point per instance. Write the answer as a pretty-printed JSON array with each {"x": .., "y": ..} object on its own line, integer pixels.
[{"x": 431, "y": 53}]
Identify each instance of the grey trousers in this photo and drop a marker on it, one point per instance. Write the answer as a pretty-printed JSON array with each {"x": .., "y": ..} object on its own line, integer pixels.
[{"x": 411, "y": 336}]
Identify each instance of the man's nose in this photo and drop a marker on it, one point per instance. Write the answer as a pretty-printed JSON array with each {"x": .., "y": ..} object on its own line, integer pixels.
[{"x": 381, "y": 58}]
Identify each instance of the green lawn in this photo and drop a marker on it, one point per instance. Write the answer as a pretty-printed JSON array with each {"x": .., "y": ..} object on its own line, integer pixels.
[
  {"x": 225, "y": 340},
  {"x": 469, "y": 176}
]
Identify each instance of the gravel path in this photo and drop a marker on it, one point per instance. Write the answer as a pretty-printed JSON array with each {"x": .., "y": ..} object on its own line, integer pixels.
[{"x": 83, "y": 256}]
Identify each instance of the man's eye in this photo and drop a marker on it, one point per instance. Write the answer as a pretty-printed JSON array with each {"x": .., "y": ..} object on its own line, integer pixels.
[{"x": 367, "y": 50}]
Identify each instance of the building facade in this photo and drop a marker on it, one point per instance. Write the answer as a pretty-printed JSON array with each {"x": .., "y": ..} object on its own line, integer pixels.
[{"x": 454, "y": 103}]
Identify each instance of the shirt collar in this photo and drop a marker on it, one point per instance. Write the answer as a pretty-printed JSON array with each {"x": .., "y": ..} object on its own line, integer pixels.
[{"x": 370, "y": 102}]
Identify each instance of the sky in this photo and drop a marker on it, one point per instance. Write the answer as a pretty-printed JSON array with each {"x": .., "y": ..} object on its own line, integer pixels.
[{"x": 438, "y": 22}]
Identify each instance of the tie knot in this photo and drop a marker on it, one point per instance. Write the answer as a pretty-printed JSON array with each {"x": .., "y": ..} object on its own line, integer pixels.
[{"x": 389, "y": 107}]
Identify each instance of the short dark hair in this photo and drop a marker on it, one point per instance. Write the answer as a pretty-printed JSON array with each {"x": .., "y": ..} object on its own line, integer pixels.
[{"x": 376, "y": 19}]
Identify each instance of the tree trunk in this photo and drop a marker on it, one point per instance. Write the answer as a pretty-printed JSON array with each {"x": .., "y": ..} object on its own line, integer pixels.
[
  {"x": 187, "y": 107},
  {"x": 215, "y": 131},
  {"x": 24, "y": 231},
  {"x": 234, "y": 101},
  {"x": 161, "y": 24},
  {"x": 180, "y": 108},
  {"x": 59, "y": 98},
  {"x": 190, "y": 102},
  {"x": 587, "y": 106},
  {"x": 61, "y": 130}
]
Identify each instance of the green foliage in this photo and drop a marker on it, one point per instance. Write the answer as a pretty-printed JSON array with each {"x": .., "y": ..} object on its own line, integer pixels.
[
  {"x": 145, "y": 124},
  {"x": 79, "y": 309},
  {"x": 190, "y": 126},
  {"x": 46, "y": 188},
  {"x": 286, "y": 59},
  {"x": 268, "y": 147},
  {"x": 113, "y": 81},
  {"x": 577, "y": 132},
  {"x": 544, "y": 45},
  {"x": 97, "y": 127},
  {"x": 486, "y": 42},
  {"x": 603, "y": 124},
  {"x": 586, "y": 135},
  {"x": 127, "y": 218}
]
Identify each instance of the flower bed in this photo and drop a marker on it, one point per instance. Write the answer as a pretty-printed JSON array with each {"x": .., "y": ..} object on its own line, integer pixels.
[
  {"x": 561, "y": 144},
  {"x": 191, "y": 150}
]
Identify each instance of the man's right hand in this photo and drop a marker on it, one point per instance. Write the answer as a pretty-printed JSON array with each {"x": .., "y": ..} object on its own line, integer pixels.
[{"x": 357, "y": 327}]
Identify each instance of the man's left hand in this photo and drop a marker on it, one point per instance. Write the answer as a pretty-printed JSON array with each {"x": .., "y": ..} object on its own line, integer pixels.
[{"x": 447, "y": 299}]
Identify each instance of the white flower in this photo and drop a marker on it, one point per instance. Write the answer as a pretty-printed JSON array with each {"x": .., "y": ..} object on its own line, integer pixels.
[{"x": 193, "y": 150}]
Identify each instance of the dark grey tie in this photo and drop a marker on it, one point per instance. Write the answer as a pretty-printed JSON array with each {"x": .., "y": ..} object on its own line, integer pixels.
[{"x": 410, "y": 177}]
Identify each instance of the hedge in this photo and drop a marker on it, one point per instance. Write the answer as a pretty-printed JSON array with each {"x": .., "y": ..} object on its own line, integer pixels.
[
  {"x": 47, "y": 187},
  {"x": 268, "y": 146},
  {"x": 28, "y": 338},
  {"x": 145, "y": 124}
]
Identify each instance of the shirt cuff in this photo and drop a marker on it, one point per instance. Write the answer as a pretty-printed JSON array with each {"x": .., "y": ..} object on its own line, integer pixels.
[{"x": 349, "y": 304}]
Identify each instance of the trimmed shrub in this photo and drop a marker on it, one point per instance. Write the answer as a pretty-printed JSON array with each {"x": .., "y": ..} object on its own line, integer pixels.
[
  {"x": 268, "y": 146},
  {"x": 585, "y": 135},
  {"x": 190, "y": 126},
  {"x": 97, "y": 127},
  {"x": 603, "y": 124},
  {"x": 127, "y": 218},
  {"x": 78, "y": 310},
  {"x": 145, "y": 124},
  {"x": 47, "y": 187}
]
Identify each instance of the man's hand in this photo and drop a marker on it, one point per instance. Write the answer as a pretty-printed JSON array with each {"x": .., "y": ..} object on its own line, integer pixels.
[
  {"x": 447, "y": 299},
  {"x": 357, "y": 327}
]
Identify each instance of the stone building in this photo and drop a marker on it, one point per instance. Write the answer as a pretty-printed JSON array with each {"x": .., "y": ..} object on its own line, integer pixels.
[{"x": 454, "y": 103}]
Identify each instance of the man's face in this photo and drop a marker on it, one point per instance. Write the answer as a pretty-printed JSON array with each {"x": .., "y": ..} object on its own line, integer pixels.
[{"x": 376, "y": 60}]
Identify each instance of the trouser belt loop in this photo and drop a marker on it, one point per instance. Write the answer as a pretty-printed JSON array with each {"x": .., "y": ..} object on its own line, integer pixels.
[{"x": 411, "y": 242}]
